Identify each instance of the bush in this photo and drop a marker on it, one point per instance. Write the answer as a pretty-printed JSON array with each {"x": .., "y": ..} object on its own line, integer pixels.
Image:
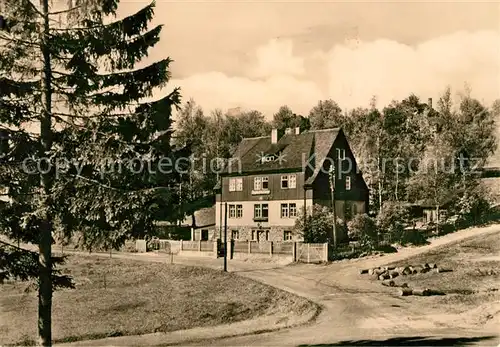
[
  {"x": 392, "y": 220},
  {"x": 472, "y": 208},
  {"x": 318, "y": 226},
  {"x": 412, "y": 237},
  {"x": 364, "y": 229}
]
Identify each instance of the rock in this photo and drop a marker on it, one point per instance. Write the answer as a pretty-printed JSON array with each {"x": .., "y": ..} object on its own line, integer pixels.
[
  {"x": 394, "y": 274},
  {"x": 405, "y": 292},
  {"x": 363, "y": 271},
  {"x": 421, "y": 292},
  {"x": 384, "y": 276},
  {"x": 407, "y": 271}
]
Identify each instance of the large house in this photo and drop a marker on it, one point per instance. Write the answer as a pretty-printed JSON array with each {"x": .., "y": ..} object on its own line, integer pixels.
[{"x": 269, "y": 179}]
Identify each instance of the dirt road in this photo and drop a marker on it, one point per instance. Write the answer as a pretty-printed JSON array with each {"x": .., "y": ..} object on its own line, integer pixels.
[{"x": 354, "y": 309}]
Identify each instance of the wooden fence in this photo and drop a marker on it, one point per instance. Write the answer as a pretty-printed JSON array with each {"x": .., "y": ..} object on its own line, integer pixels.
[
  {"x": 311, "y": 252},
  {"x": 297, "y": 251}
]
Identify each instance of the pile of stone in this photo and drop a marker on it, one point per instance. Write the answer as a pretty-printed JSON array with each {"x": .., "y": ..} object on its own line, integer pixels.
[{"x": 386, "y": 274}]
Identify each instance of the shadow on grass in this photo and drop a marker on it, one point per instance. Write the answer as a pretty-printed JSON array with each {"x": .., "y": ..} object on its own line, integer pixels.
[{"x": 410, "y": 341}]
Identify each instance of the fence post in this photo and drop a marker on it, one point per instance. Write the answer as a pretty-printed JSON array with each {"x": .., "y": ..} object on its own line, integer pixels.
[
  {"x": 230, "y": 249},
  {"x": 181, "y": 246},
  {"x": 325, "y": 249},
  {"x": 249, "y": 246},
  {"x": 308, "y": 253},
  {"x": 271, "y": 248},
  {"x": 199, "y": 246},
  {"x": 294, "y": 251}
]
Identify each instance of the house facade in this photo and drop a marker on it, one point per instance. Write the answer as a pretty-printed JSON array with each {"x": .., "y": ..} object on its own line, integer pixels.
[{"x": 270, "y": 179}]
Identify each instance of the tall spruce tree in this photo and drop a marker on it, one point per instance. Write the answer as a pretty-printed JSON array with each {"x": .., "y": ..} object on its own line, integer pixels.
[{"x": 100, "y": 160}]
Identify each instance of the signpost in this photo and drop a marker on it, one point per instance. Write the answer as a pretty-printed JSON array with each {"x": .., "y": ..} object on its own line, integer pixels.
[
  {"x": 225, "y": 237},
  {"x": 332, "y": 189}
]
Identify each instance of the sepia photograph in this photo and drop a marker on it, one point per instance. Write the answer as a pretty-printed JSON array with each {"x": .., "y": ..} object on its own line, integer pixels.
[{"x": 249, "y": 173}]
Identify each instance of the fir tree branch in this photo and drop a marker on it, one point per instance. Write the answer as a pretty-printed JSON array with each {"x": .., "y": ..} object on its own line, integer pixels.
[
  {"x": 18, "y": 248},
  {"x": 64, "y": 11},
  {"x": 18, "y": 41}
]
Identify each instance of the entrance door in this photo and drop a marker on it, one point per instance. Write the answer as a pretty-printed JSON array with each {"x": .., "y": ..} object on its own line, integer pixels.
[{"x": 262, "y": 235}]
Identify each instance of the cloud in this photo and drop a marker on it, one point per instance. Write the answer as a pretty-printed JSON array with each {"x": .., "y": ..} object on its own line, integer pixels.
[
  {"x": 392, "y": 70},
  {"x": 217, "y": 90},
  {"x": 276, "y": 58},
  {"x": 353, "y": 72}
]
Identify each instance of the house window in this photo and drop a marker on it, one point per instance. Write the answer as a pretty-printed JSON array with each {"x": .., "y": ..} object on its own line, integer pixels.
[
  {"x": 284, "y": 210},
  {"x": 287, "y": 235},
  {"x": 239, "y": 211},
  {"x": 354, "y": 209},
  {"x": 288, "y": 210},
  {"x": 204, "y": 235},
  {"x": 260, "y": 183},
  {"x": 232, "y": 211},
  {"x": 284, "y": 182},
  {"x": 235, "y": 234},
  {"x": 348, "y": 183},
  {"x": 239, "y": 184},
  {"x": 261, "y": 211},
  {"x": 288, "y": 181},
  {"x": 340, "y": 153},
  {"x": 236, "y": 184}
]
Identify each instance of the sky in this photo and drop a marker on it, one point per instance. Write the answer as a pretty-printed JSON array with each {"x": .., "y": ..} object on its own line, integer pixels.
[{"x": 261, "y": 55}]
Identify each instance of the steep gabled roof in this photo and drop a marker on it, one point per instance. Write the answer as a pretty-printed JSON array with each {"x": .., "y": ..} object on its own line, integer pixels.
[
  {"x": 203, "y": 217},
  {"x": 324, "y": 140},
  {"x": 293, "y": 152}
]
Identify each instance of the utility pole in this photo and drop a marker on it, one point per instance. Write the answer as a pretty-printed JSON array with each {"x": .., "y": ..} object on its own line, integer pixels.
[
  {"x": 45, "y": 242},
  {"x": 332, "y": 191},
  {"x": 220, "y": 217},
  {"x": 225, "y": 237}
]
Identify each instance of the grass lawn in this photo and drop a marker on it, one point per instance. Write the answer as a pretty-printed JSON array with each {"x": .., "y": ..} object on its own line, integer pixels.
[
  {"x": 473, "y": 284},
  {"x": 116, "y": 297}
]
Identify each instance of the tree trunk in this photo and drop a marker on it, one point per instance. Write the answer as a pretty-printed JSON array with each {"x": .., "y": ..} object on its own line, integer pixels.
[
  {"x": 45, "y": 238},
  {"x": 379, "y": 175},
  {"x": 437, "y": 219},
  {"x": 380, "y": 195},
  {"x": 397, "y": 183}
]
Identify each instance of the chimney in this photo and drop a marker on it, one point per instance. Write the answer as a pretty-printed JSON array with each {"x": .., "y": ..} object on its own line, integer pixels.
[
  {"x": 274, "y": 136},
  {"x": 297, "y": 131},
  {"x": 429, "y": 103}
]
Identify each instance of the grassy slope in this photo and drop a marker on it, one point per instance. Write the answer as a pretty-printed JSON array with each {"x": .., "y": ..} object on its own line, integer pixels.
[
  {"x": 122, "y": 297},
  {"x": 469, "y": 285}
]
